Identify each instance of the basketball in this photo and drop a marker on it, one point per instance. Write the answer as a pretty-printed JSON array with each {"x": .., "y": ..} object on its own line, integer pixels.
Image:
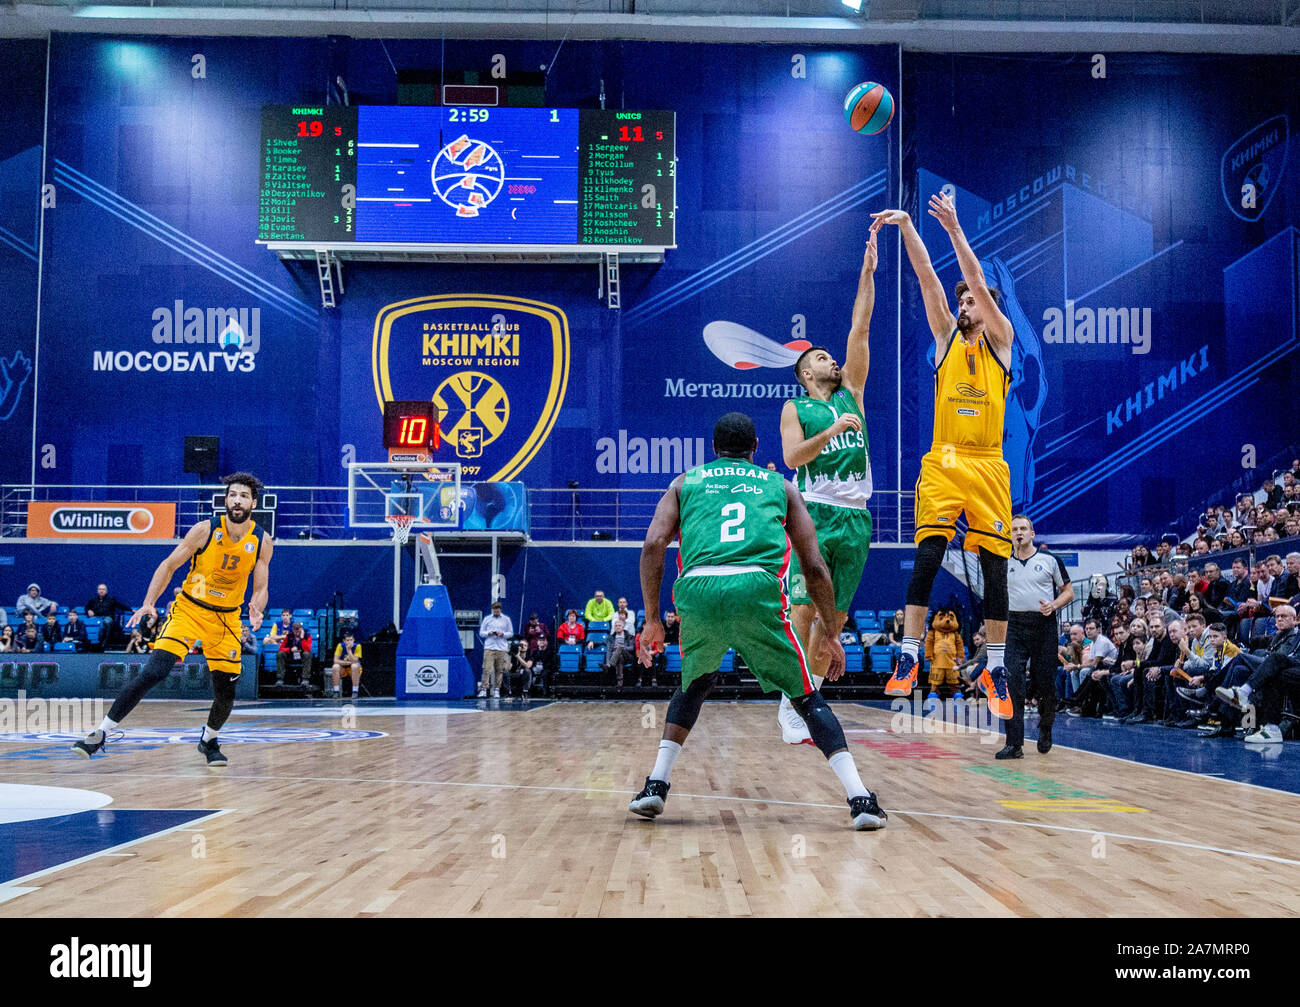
[{"x": 869, "y": 108}]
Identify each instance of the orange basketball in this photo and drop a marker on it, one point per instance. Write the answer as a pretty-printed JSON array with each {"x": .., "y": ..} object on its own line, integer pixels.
[{"x": 869, "y": 108}]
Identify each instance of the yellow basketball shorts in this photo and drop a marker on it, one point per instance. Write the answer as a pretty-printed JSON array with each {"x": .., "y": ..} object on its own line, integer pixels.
[
  {"x": 978, "y": 484},
  {"x": 219, "y": 633}
]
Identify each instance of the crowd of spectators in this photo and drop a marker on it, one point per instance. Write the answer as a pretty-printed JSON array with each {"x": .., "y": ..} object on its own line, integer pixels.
[
  {"x": 1195, "y": 640},
  {"x": 520, "y": 665}
]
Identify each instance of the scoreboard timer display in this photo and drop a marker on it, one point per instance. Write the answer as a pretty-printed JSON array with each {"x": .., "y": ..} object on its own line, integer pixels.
[
  {"x": 411, "y": 429},
  {"x": 378, "y": 174}
]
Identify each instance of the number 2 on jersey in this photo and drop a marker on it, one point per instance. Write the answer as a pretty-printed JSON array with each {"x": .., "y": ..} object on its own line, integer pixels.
[{"x": 733, "y": 528}]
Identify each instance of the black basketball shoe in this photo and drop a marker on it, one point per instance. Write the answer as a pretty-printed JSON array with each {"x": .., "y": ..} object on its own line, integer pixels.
[
  {"x": 867, "y": 814},
  {"x": 650, "y": 802},
  {"x": 87, "y": 747},
  {"x": 211, "y": 751}
]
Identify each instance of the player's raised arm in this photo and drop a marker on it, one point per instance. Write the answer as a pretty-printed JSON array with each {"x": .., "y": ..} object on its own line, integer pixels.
[
  {"x": 942, "y": 322},
  {"x": 817, "y": 578},
  {"x": 857, "y": 356},
  {"x": 997, "y": 326},
  {"x": 261, "y": 577},
  {"x": 192, "y": 542},
  {"x": 663, "y": 526}
]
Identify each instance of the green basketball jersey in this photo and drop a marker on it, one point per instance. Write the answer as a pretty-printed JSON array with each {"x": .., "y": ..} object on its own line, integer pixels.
[
  {"x": 732, "y": 513},
  {"x": 841, "y": 474}
]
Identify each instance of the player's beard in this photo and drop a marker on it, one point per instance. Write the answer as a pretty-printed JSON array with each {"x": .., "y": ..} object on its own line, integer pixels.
[
  {"x": 238, "y": 514},
  {"x": 964, "y": 324}
]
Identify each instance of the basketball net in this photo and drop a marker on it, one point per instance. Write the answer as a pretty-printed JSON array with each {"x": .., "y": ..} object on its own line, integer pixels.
[{"x": 401, "y": 524}]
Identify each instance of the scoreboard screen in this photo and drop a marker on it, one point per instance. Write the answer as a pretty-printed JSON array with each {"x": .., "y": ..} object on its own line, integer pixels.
[{"x": 379, "y": 174}]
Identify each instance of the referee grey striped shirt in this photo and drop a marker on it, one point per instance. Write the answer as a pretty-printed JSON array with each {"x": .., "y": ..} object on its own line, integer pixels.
[{"x": 1032, "y": 581}]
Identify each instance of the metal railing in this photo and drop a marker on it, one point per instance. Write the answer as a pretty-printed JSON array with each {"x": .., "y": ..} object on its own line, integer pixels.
[
  {"x": 1177, "y": 564},
  {"x": 624, "y": 515},
  {"x": 563, "y": 515},
  {"x": 300, "y": 511}
]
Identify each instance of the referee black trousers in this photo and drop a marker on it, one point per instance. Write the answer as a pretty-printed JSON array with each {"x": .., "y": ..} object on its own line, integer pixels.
[{"x": 1031, "y": 640}]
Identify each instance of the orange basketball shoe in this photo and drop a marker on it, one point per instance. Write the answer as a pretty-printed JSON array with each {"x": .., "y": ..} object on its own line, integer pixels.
[
  {"x": 994, "y": 683},
  {"x": 904, "y": 680}
]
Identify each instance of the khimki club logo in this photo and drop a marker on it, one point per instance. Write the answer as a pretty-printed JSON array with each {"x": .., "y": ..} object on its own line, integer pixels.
[
  {"x": 744, "y": 349},
  {"x": 1251, "y": 170}
]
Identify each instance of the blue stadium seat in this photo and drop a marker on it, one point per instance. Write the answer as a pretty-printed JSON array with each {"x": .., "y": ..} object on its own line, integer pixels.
[
  {"x": 882, "y": 660},
  {"x": 570, "y": 658},
  {"x": 598, "y": 638},
  {"x": 301, "y": 613},
  {"x": 62, "y": 648},
  {"x": 862, "y": 615},
  {"x": 673, "y": 658},
  {"x": 728, "y": 662},
  {"x": 885, "y": 614},
  {"x": 597, "y": 627},
  {"x": 870, "y": 625},
  {"x": 852, "y": 659}
]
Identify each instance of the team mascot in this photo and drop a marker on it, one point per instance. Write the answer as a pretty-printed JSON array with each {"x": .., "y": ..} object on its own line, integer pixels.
[{"x": 944, "y": 650}]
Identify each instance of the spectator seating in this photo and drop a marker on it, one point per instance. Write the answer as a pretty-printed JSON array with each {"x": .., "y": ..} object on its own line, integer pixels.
[
  {"x": 570, "y": 658},
  {"x": 853, "y": 659}
]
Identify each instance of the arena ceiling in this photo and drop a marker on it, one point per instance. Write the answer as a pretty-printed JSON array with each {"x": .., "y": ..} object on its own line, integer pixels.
[{"x": 947, "y": 25}]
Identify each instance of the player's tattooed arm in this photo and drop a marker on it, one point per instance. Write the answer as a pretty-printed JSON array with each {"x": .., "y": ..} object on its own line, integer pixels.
[
  {"x": 942, "y": 322},
  {"x": 996, "y": 325},
  {"x": 261, "y": 577},
  {"x": 817, "y": 578},
  {"x": 193, "y": 541},
  {"x": 857, "y": 356},
  {"x": 663, "y": 526}
]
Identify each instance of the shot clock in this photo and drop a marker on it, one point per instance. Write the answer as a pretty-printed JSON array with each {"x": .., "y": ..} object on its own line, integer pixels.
[{"x": 411, "y": 432}]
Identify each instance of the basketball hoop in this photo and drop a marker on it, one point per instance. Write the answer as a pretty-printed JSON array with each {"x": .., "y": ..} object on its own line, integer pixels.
[{"x": 401, "y": 525}]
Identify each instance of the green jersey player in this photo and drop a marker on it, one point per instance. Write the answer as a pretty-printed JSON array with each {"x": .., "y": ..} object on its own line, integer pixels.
[
  {"x": 738, "y": 522},
  {"x": 824, "y": 439}
]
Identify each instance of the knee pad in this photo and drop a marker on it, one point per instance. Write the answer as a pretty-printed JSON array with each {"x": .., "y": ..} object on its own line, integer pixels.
[
  {"x": 684, "y": 707},
  {"x": 994, "y": 568},
  {"x": 223, "y": 698},
  {"x": 157, "y": 668},
  {"x": 929, "y": 558},
  {"x": 826, "y": 732}
]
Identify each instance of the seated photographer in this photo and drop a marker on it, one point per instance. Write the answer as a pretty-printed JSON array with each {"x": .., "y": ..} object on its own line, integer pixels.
[{"x": 519, "y": 678}]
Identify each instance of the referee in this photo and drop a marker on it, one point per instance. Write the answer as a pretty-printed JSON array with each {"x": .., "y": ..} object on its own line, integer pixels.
[{"x": 1037, "y": 587}]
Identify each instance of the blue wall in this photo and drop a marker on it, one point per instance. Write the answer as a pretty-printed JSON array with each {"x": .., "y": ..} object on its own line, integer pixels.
[{"x": 1122, "y": 192}]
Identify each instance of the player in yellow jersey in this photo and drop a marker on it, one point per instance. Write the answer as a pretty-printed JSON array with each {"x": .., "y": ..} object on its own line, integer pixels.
[
  {"x": 964, "y": 469},
  {"x": 223, "y": 552}
]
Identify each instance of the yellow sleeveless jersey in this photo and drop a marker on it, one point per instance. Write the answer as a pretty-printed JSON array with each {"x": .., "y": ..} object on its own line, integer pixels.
[
  {"x": 970, "y": 397},
  {"x": 219, "y": 572}
]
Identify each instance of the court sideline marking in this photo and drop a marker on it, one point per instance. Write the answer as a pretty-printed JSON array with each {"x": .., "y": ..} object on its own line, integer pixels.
[{"x": 7, "y": 891}]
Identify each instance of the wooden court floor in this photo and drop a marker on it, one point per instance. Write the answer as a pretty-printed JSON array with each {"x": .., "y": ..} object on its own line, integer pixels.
[{"x": 525, "y": 814}]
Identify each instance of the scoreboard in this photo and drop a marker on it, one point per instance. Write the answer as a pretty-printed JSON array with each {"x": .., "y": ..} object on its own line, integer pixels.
[{"x": 378, "y": 174}]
